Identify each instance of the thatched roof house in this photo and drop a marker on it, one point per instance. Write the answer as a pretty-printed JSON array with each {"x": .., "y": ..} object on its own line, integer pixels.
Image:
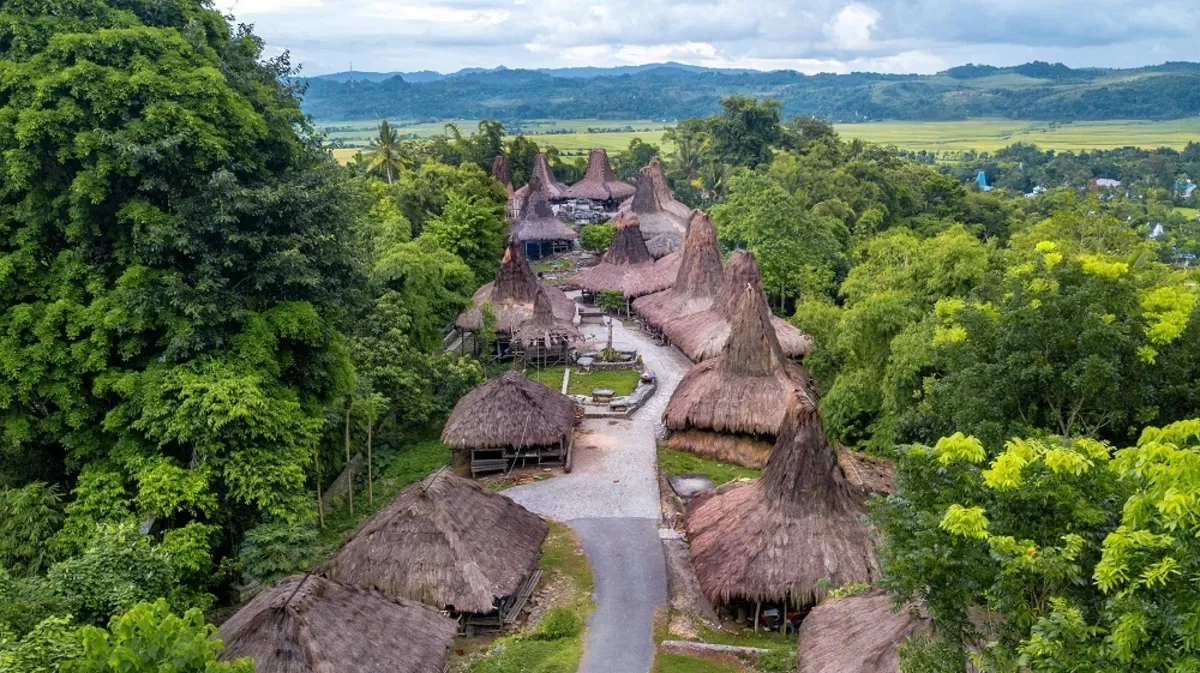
[
  {"x": 702, "y": 335},
  {"x": 730, "y": 407},
  {"x": 698, "y": 279},
  {"x": 537, "y": 223},
  {"x": 627, "y": 265},
  {"x": 599, "y": 183},
  {"x": 785, "y": 536},
  {"x": 857, "y": 633},
  {"x": 512, "y": 295},
  {"x": 447, "y": 542},
  {"x": 544, "y": 338},
  {"x": 658, "y": 223},
  {"x": 542, "y": 179},
  {"x": 662, "y": 190},
  {"x": 309, "y": 624}
]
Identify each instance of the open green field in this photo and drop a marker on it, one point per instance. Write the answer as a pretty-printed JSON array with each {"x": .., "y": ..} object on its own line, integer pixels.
[{"x": 989, "y": 135}]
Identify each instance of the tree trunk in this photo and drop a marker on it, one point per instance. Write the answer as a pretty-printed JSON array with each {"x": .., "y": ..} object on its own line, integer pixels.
[
  {"x": 320, "y": 505},
  {"x": 370, "y": 469},
  {"x": 350, "y": 485}
]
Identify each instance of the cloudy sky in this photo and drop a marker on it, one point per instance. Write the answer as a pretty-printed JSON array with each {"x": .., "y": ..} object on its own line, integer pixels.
[{"x": 806, "y": 35}]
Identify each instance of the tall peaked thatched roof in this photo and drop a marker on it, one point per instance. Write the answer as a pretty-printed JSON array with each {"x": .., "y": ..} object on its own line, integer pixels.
[
  {"x": 544, "y": 328},
  {"x": 501, "y": 172},
  {"x": 662, "y": 190},
  {"x": 788, "y": 534},
  {"x": 627, "y": 265},
  {"x": 698, "y": 280},
  {"x": 599, "y": 183},
  {"x": 656, "y": 220},
  {"x": 857, "y": 633},
  {"x": 743, "y": 391},
  {"x": 702, "y": 335},
  {"x": 537, "y": 222},
  {"x": 512, "y": 295},
  {"x": 309, "y": 624},
  {"x": 447, "y": 542},
  {"x": 545, "y": 180},
  {"x": 510, "y": 411}
]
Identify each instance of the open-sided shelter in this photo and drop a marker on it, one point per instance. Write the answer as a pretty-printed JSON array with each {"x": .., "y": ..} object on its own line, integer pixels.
[
  {"x": 544, "y": 339},
  {"x": 627, "y": 266},
  {"x": 310, "y": 624},
  {"x": 599, "y": 183},
  {"x": 860, "y": 633},
  {"x": 696, "y": 283}
]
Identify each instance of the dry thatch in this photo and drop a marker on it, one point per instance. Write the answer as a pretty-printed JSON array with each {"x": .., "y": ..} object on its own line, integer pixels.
[
  {"x": 545, "y": 181},
  {"x": 664, "y": 244},
  {"x": 627, "y": 265},
  {"x": 666, "y": 199},
  {"x": 512, "y": 295},
  {"x": 544, "y": 329},
  {"x": 857, "y": 633},
  {"x": 309, "y": 624},
  {"x": 869, "y": 474},
  {"x": 656, "y": 220},
  {"x": 698, "y": 280},
  {"x": 537, "y": 221},
  {"x": 501, "y": 173},
  {"x": 702, "y": 335},
  {"x": 599, "y": 183},
  {"x": 743, "y": 391},
  {"x": 748, "y": 450},
  {"x": 510, "y": 411},
  {"x": 447, "y": 542},
  {"x": 788, "y": 534}
]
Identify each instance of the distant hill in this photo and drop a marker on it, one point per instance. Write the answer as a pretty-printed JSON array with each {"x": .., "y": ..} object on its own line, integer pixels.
[{"x": 1036, "y": 91}]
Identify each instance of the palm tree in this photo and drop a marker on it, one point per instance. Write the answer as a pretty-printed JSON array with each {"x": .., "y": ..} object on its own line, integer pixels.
[{"x": 385, "y": 151}]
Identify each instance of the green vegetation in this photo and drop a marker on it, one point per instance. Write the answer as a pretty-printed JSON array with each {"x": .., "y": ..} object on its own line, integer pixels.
[
  {"x": 952, "y": 138},
  {"x": 597, "y": 237},
  {"x": 673, "y": 463},
  {"x": 551, "y": 266},
  {"x": 620, "y": 381},
  {"x": 669, "y": 662}
]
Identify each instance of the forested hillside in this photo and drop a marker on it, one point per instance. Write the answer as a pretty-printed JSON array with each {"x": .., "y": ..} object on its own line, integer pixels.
[{"x": 1038, "y": 91}]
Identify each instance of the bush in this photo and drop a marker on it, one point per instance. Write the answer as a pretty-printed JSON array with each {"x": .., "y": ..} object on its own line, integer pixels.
[
  {"x": 597, "y": 237},
  {"x": 278, "y": 549},
  {"x": 777, "y": 660},
  {"x": 558, "y": 624},
  {"x": 610, "y": 300}
]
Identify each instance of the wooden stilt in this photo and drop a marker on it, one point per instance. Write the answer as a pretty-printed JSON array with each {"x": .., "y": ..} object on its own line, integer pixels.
[{"x": 757, "y": 609}]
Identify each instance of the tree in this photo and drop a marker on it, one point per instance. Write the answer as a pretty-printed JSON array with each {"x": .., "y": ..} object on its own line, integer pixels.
[
  {"x": 597, "y": 237},
  {"x": 745, "y": 130},
  {"x": 520, "y": 153},
  {"x": 386, "y": 153},
  {"x": 473, "y": 230},
  {"x": 150, "y": 639}
]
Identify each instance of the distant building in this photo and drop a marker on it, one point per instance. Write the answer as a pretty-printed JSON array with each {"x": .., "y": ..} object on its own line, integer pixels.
[
  {"x": 981, "y": 178},
  {"x": 1096, "y": 184}
]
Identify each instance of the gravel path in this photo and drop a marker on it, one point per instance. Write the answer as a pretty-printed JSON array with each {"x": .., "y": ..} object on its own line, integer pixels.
[{"x": 611, "y": 500}]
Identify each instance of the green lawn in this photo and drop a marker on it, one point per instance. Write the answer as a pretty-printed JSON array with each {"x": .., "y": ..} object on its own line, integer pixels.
[
  {"x": 1188, "y": 212},
  {"x": 621, "y": 382},
  {"x": 681, "y": 462}
]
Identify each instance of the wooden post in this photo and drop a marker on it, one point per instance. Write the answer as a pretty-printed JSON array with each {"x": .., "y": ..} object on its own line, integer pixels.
[
  {"x": 349, "y": 467},
  {"x": 757, "y": 609},
  {"x": 786, "y": 622}
]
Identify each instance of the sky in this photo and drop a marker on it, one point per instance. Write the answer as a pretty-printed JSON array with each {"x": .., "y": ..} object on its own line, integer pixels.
[{"x": 839, "y": 36}]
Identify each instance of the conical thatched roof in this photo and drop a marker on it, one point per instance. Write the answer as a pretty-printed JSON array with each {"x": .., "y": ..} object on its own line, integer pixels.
[
  {"x": 698, "y": 280},
  {"x": 309, "y": 624},
  {"x": 447, "y": 542},
  {"x": 656, "y": 220},
  {"x": 743, "y": 391},
  {"x": 512, "y": 295},
  {"x": 537, "y": 221},
  {"x": 510, "y": 411},
  {"x": 544, "y": 328},
  {"x": 662, "y": 191},
  {"x": 787, "y": 534},
  {"x": 702, "y": 335},
  {"x": 501, "y": 172},
  {"x": 627, "y": 265},
  {"x": 599, "y": 183},
  {"x": 664, "y": 244},
  {"x": 544, "y": 181},
  {"x": 857, "y": 633}
]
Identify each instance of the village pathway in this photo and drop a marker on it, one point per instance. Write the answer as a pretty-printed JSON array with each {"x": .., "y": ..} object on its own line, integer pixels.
[{"x": 610, "y": 500}]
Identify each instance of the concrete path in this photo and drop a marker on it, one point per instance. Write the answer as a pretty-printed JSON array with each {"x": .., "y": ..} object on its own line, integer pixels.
[{"x": 610, "y": 500}]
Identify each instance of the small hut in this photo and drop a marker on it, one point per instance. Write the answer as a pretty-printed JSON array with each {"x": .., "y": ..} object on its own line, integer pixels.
[
  {"x": 662, "y": 191},
  {"x": 857, "y": 633},
  {"x": 538, "y": 228},
  {"x": 730, "y": 407},
  {"x": 545, "y": 182},
  {"x": 510, "y": 419},
  {"x": 544, "y": 339},
  {"x": 697, "y": 282},
  {"x": 511, "y": 297},
  {"x": 309, "y": 624},
  {"x": 660, "y": 225},
  {"x": 449, "y": 543},
  {"x": 627, "y": 265},
  {"x": 786, "y": 537},
  {"x": 702, "y": 335},
  {"x": 599, "y": 184}
]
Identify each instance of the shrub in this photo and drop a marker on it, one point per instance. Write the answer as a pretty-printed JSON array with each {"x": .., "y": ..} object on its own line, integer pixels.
[
  {"x": 558, "y": 624},
  {"x": 597, "y": 237}
]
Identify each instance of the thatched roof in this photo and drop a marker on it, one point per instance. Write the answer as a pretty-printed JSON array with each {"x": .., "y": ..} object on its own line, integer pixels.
[
  {"x": 599, "y": 183},
  {"x": 698, "y": 280},
  {"x": 702, "y": 335},
  {"x": 309, "y": 624},
  {"x": 544, "y": 328},
  {"x": 857, "y": 633},
  {"x": 544, "y": 181},
  {"x": 664, "y": 244},
  {"x": 627, "y": 266},
  {"x": 447, "y": 542},
  {"x": 869, "y": 474},
  {"x": 744, "y": 390},
  {"x": 510, "y": 411},
  {"x": 790, "y": 532},
  {"x": 512, "y": 295},
  {"x": 656, "y": 220},
  {"x": 666, "y": 199},
  {"x": 537, "y": 221},
  {"x": 501, "y": 172}
]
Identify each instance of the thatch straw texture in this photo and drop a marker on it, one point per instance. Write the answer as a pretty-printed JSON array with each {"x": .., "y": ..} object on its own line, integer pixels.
[
  {"x": 787, "y": 534},
  {"x": 698, "y": 280},
  {"x": 869, "y": 474},
  {"x": 857, "y": 633},
  {"x": 510, "y": 411},
  {"x": 537, "y": 221},
  {"x": 627, "y": 266},
  {"x": 656, "y": 220},
  {"x": 666, "y": 199},
  {"x": 512, "y": 295},
  {"x": 599, "y": 183},
  {"x": 501, "y": 172},
  {"x": 664, "y": 244},
  {"x": 447, "y": 542},
  {"x": 309, "y": 624},
  {"x": 544, "y": 328},
  {"x": 545, "y": 181},
  {"x": 743, "y": 391},
  {"x": 702, "y": 335},
  {"x": 748, "y": 450}
]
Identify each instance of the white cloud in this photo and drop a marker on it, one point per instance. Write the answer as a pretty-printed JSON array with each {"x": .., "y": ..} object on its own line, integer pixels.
[{"x": 851, "y": 28}]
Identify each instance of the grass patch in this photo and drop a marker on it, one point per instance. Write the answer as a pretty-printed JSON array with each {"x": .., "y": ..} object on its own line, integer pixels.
[
  {"x": 551, "y": 266},
  {"x": 1190, "y": 213},
  {"x": 556, "y": 646},
  {"x": 669, "y": 662},
  {"x": 674, "y": 463},
  {"x": 621, "y": 381}
]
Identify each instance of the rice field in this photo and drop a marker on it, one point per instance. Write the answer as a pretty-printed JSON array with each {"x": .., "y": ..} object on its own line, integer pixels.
[{"x": 989, "y": 135}]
